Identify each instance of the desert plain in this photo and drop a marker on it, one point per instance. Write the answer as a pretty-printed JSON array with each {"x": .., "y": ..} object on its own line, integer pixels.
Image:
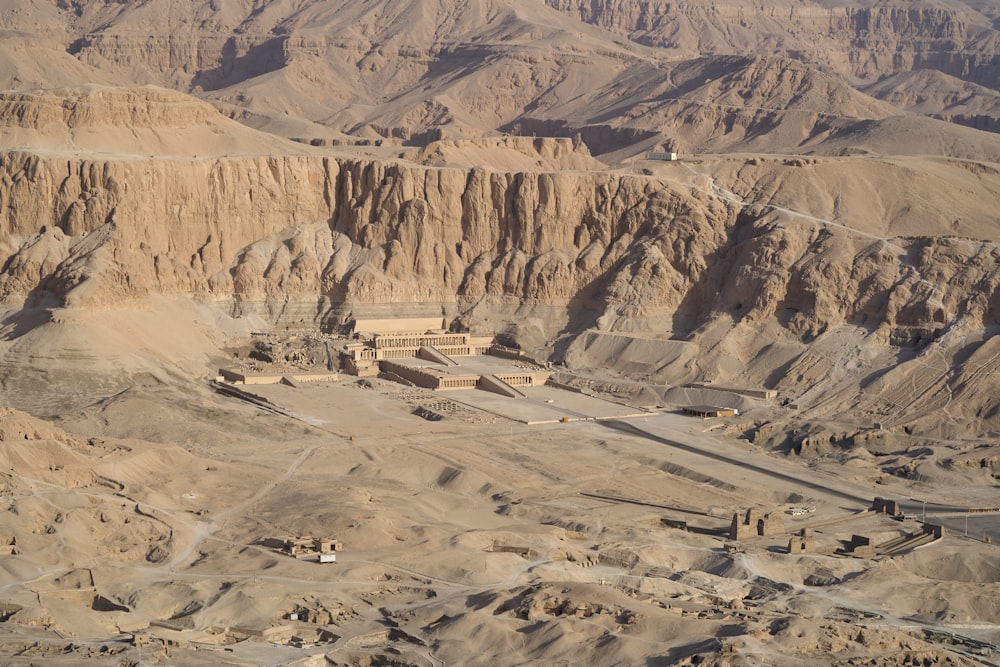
[{"x": 715, "y": 287}]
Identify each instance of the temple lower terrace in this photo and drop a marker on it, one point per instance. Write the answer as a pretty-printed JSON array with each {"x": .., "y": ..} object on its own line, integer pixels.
[{"x": 501, "y": 376}]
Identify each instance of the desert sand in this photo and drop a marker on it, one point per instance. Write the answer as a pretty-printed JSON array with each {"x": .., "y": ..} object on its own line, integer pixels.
[{"x": 242, "y": 186}]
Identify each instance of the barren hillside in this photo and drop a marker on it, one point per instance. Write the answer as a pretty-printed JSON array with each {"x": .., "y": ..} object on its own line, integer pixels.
[{"x": 415, "y": 72}]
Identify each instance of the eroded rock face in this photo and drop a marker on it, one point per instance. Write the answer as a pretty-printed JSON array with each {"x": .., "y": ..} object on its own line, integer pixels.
[
  {"x": 354, "y": 231},
  {"x": 366, "y": 231},
  {"x": 100, "y": 106}
]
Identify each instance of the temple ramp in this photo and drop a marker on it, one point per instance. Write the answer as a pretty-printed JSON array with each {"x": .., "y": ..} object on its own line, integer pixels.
[
  {"x": 431, "y": 353},
  {"x": 497, "y": 386}
]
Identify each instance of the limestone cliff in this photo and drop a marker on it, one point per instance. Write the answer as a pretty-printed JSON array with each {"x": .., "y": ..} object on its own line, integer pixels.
[
  {"x": 344, "y": 230},
  {"x": 305, "y": 240},
  {"x": 329, "y": 231}
]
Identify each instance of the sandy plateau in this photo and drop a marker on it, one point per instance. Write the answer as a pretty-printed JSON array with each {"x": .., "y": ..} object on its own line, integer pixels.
[{"x": 741, "y": 407}]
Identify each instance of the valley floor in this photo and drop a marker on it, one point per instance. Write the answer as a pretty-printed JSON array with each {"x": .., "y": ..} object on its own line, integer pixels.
[{"x": 475, "y": 539}]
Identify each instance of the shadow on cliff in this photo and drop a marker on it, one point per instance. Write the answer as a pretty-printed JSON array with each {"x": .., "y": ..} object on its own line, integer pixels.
[
  {"x": 600, "y": 138},
  {"x": 36, "y": 311},
  {"x": 23, "y": 321},
  {"x": 259, "y": 59},
  {"x": 581, "y": 318},
  {"x": 708, "y": 294}
]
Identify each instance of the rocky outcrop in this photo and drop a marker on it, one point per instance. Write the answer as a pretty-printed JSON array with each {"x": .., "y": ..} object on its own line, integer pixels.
[{"x": 103, "y": 106}]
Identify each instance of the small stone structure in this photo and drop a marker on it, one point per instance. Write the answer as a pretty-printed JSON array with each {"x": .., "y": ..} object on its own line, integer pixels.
[
  {"x": 279, "y": 634},
  {"x": 861, "y": 545},
  {"x": 801, "y": 545},
  {"x": 318, "y": 614},
  {"x": 304, "y": 547},
  {"x": 890, "y": 507},
  {"x": 765, "y": 394},
  {"x": 771, "y": 524},
  {"x": 709, "y": 411},
  {"x": 741, "y": 530},
  {"x": 234, "y": 376},
  {"x": 522, "y": 551},
  {"x": 755, "y": 523}
]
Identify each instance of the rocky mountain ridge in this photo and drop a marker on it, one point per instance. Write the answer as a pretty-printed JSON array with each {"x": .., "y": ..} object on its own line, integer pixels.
[
  {"x": 416, "y": 73},
  {"x": 859, "y": 41}
]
